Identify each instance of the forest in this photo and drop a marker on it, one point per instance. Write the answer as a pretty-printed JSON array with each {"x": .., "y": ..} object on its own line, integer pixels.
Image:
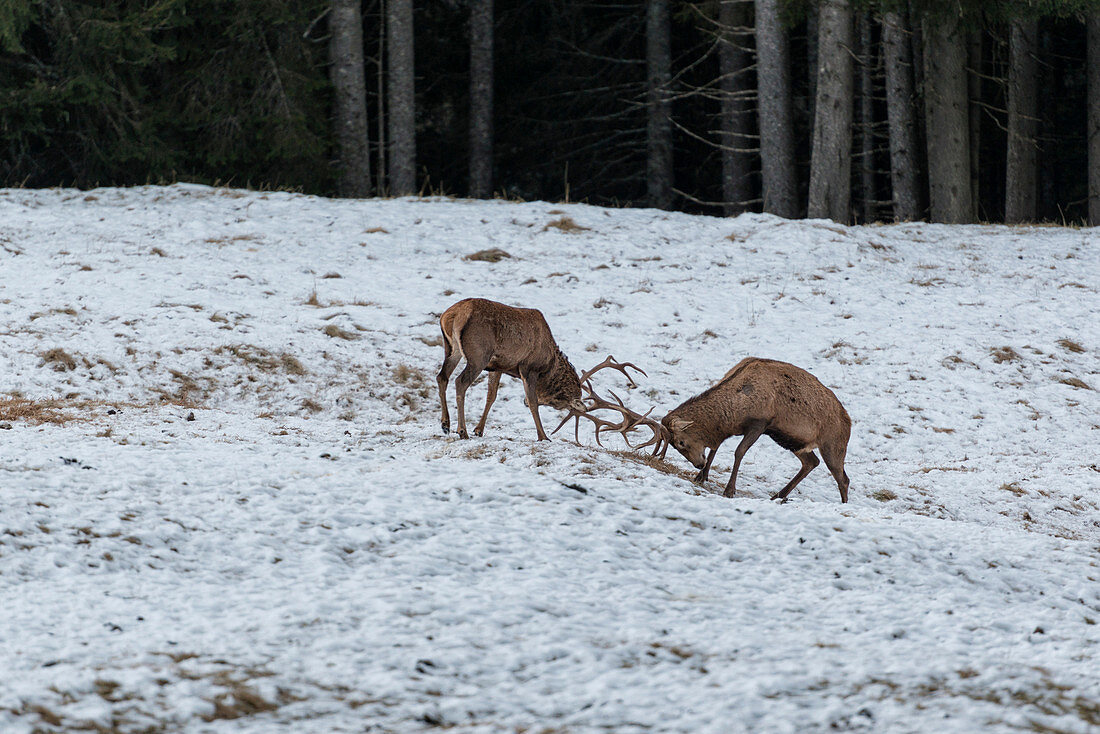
[{"x": 853, "y": 110}]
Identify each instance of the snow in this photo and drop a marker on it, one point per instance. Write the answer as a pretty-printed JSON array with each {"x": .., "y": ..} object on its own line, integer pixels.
[{"x": 310, "y": 554}]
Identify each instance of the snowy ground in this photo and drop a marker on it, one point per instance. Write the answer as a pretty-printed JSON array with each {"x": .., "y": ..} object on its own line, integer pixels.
[{"x": 309, "y": 554}]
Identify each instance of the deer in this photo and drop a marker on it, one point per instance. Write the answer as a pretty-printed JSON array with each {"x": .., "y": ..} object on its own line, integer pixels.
[
  {"x": 514, "y": 341},
  {"x": 761, "y": 397}
]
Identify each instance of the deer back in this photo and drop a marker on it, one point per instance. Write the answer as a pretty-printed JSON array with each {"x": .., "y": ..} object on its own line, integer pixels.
[{"x": 509, "y": 339}]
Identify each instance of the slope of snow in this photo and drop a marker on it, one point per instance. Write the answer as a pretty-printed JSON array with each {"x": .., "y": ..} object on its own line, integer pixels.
[{"x": 309, "y": 553}]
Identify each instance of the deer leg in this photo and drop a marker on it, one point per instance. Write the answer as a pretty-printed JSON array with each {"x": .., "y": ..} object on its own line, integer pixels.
[
  {"x": 705, "y": 471},
  {"x": 834, "y": 459},
  {"x": 462, "y": 384},
  {"x": 755, "y": 431},
  {"x": 451, "y": 358},
  {"x": 494, "y": 383},
  {"x": 809, "y": 461},
  {"x": 530, "y": 383}
]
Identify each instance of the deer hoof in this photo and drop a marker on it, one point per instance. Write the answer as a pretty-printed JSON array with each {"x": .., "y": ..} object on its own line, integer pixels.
[
  {"x": 463, "y": 434},
  {"x": 446, "y": 427},
  {"x": 479, "y": 432}
]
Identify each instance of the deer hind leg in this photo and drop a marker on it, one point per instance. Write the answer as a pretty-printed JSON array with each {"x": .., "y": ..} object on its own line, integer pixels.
[
  {"x": 462, "y": 384},
  {"x": 494, "y": 383},
  {"x": 834, "y": 459},
  {"x": 451, "y": 358},
  {"x": 754, "y": 431},
  {"x": 809, "y": 461}
]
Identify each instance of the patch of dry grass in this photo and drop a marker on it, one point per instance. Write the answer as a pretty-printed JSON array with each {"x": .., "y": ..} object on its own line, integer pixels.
[
  {"x": 1071, "y": 346},
  {"x": 263, "y": 359},
  {"x": 1005, "y": 354},
  {"x": 66, "y": 311},
  {"x": 57, "y": 411},
  {"x": 58, "y": 360},
  {"x": 1074, "y": 382},
  {"x": 336, "y": 332},
  {"x": 565, "y": 224},
  {"x": 654, "y": 462},
  {"x": 34, "y": 412},
  {"x": 884, "y": 495},
  {"x": 416, "y": 385},
  {"x": 492, "y": 255}
]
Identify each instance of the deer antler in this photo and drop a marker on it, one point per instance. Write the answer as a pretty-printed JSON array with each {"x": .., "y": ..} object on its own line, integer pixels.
[
  {"x": 631, "y": 420},
  {"x": 614, "y": 364}
]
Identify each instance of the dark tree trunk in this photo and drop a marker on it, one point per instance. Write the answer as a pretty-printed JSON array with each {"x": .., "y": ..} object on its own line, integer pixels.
[
  {"x": 481, "y": 99},
  {"x": 350, "y": 94},
  {"x": 947, "y": 108},
  {"x": 773, "y": 83},
  {"x": 658, "y": 105},
  {"x": 974, "y": 94},
  {"x": 831, "y": 163},
  {"x": 813, "y": 33},
  {"x": 1093, "y": 124},
  {"x": 1023, "y": 79},
  {"x": 402, "y": 100},
  {"x": 900, "y": 113},
  {"x": 735, "y": 63},
  {"x": 866, "y": 118}
]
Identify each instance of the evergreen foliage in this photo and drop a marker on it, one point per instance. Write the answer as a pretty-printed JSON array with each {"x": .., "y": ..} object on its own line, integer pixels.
[{"x": 119, "y": 92}]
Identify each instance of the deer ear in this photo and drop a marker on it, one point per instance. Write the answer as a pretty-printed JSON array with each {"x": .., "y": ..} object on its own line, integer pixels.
[{"x": 679, "y": 424}]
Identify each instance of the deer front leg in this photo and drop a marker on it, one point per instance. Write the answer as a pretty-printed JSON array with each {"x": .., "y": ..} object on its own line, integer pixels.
[
  {"x": 754, "y": 432},
  {"x": 494, "y": 383},
  {"x": 530, "y": 383}
]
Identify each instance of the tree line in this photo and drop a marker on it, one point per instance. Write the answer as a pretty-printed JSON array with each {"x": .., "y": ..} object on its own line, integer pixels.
[{"x": 855, "y": 110}]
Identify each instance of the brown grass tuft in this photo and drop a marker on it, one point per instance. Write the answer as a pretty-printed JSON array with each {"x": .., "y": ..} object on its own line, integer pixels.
[
  {"x": 884, "y": 495},
  {"x": 337, "y": 333},
  {"x": 492, "y": 255},
  {"x": 34, "y": 412},
  {"x": 264, "y": 359},
  {"x": 312, "y": 300},
  {"x": 238, "y": 702},
  {"x": 1070, "y": 346},
  {"x": 565, "y": 224},
  {"x": 1074, "y": 382},
  {"x": 1004, "y": 354},
  {"x": 59, "y": 360}
]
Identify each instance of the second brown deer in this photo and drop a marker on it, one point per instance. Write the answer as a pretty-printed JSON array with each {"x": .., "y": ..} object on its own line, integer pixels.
[{"x": 762, "y": 397}]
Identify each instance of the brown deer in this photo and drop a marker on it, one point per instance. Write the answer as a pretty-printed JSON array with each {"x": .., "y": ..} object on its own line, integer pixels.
[
  {"x": 508, "y": 340},
  {"x": 762, "y": 397}
]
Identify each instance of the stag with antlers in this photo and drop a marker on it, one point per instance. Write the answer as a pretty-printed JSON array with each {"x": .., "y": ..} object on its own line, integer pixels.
[{"x": 517, "y": 341}]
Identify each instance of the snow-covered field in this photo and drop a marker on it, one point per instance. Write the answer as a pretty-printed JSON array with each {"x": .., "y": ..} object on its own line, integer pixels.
[{"x": 226, "y": 504}]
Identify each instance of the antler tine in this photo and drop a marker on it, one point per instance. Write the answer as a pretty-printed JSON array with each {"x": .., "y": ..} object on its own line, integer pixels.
[
  {"x": 614, "y": 364},
  {"x": 630, "y": 422},
  {"x": 571, "y": 414}
]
